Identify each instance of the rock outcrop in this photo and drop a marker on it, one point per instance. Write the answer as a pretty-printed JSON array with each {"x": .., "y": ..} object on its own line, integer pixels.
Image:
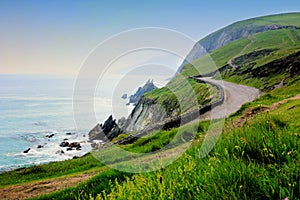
[
  {"x": 149, "y": 86},
  {"x": 107, "y": 131},
  {"x": 145, "y": 113}
]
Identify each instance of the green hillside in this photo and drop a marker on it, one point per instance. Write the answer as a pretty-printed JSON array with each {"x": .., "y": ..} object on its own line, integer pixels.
[{"x": 250, "y": 54}]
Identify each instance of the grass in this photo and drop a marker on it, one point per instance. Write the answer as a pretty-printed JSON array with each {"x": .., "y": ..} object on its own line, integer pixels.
[
  {"x": 277, "y": 40},
  {"x": 257, "y": 161},
  {"x": 102, "y": 182},
  {"x": 181, "y": 95},
  {"x": 86, "y": 163},
  {"x": 212, "y": 40}
]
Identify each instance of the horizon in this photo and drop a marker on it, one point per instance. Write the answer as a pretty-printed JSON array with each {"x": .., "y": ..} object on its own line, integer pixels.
[{"x": 54, "y": 38}]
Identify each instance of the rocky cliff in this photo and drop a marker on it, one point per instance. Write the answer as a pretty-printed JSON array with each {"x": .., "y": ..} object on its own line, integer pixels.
[
  {"x": 109, "y": 130},
  {"x": 149, "y": 86},
  {"x": 145, "y": 113}
]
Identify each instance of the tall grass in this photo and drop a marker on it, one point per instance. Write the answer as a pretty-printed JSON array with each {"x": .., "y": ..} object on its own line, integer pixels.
[{"x": 257, "y": 161}]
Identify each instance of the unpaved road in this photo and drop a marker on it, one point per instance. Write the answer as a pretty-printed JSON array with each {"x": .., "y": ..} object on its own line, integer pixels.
[{"x": 235, "y": 95}]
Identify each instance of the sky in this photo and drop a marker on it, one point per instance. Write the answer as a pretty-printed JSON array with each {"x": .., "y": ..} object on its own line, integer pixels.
[{"x": 53, "y": 37}]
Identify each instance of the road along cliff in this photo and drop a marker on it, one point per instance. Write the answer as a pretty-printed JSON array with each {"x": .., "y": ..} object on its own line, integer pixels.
[{"x": 231, "y": 97}]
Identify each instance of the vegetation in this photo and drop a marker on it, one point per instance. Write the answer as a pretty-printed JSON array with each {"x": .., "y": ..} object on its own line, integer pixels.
[
  {"x": 182, "y": 94},
  {"x": 83, "y": 164},
  {"x": 259, "y": 160}
]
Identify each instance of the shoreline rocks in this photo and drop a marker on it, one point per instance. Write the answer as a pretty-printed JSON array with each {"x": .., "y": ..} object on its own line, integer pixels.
[{"x": 27, "y": 150}]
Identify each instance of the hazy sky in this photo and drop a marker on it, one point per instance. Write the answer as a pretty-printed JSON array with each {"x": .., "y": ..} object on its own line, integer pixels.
[{"x": 54, "y": 36}]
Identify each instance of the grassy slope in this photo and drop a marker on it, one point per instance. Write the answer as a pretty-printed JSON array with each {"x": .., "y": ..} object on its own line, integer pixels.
[
  {"x": 181, "y": 99},
  {"x": 284, "y": 42},
  {"x": 281, "y": 42},
  {"x": 291, "y": 19}
]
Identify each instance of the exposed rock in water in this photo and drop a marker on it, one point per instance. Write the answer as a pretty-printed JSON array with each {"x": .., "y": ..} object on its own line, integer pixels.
[
  {"x": 64, "y": 144},
  {"x": 39, "y": 146},
  {"x": 50, "y": 136},
  {"x": 71, "y": 146},
  {"x": 149, "y": 86},
  {"x": 74, "y": 145},
  {"x": 60, "y": 152},
  {"x": 108, "y": 131},
  {"x": 26, "y": 151},
  {"x": 124, "y": 96}
]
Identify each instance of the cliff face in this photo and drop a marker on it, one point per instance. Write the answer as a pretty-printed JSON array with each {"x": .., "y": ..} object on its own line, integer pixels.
[{"x": 145, "y": 113}]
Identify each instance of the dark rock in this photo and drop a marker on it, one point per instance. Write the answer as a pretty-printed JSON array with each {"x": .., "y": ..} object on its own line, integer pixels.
[
  {"x": 64, "y": 144},
  {"x": 69, "y": 133},
  {"x": 69, "y": 149},
  {"x": 39, "y": 146},
  {"x": 96, "y": 133},
  {"x": 26, "y": 151},
  {"x": 50, "y": 136},
  {"x": 60, "y": 152},
  {"x": 124, "y": 96},
  {"x": 66, "y": 139},
  {"x": 78, "y": 148},
  {"x": 107, "y": 131},
  {"x": 75, "y": 157},
  {"x": 74, "y": 145}
]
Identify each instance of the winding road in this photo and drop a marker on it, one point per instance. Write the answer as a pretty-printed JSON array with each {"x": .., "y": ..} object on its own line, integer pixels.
[{"x": 235, "y": 95}]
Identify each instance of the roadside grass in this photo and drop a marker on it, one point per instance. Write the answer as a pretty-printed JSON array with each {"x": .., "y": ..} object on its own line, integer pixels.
[
  {"x": 268, "y": 99},
  {"x": 258, "y": 161}
]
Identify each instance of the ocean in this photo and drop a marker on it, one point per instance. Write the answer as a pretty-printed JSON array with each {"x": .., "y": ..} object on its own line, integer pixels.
[{"x": 33, "y": 108}]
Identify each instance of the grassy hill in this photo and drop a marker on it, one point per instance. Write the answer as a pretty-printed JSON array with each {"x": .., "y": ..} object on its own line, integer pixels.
[
  {"x": 241, "y": 29},
  {"x": 257, "y": 156}
]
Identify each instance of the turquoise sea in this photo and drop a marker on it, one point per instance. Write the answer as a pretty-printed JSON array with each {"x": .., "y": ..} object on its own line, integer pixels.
[{"x": 31, "y": 109}]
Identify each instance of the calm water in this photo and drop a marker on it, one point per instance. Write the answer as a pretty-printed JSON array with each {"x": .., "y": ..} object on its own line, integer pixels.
[{"x": 33, "y": 107}]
